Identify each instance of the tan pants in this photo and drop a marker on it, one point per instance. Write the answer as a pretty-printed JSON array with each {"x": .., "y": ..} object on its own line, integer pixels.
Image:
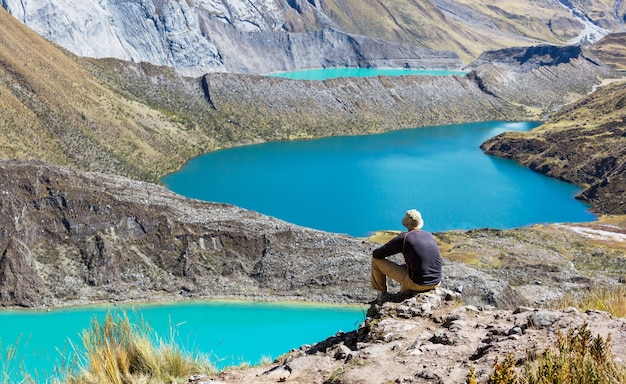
[{"x": 381, "y": 268}]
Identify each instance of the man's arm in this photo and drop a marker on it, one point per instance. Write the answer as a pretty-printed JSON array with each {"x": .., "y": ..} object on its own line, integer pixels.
[{"x": 392, "y": 247}]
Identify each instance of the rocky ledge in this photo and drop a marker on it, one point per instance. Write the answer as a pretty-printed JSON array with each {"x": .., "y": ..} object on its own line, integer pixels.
[
  {"x": 69, "y": 237},
  {"x": 430, "y": 338}
]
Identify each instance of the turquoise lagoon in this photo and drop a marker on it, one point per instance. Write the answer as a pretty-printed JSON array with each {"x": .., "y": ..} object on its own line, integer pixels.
[
  {"x": 361, "y": 184},
  {"x": 230, "y": 333},
  {"x": 332, "y": 73}
]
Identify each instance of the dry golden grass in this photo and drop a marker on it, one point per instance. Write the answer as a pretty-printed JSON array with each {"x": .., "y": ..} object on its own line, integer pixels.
[
  {"x": 381, "y": 237},
  {"x": 612, "y": 50},
  {"x": 609, "y": 299},
  {"x": 469, "y": 258},
  {"x": 11, "y": 369},
  {"x": 119, "y": 352}
]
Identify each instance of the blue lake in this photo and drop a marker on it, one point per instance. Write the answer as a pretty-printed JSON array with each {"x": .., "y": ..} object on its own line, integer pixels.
[
  {"x": 230, "y": 333},
  {"x": 361, "y": 184},
  {"x": 332, "y": 73}
]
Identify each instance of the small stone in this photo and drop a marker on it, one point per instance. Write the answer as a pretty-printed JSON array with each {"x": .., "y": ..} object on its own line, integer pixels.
[
  {"x": 442, "y": 337},
  {"x": 457, "y": 325},
  {"x": 279, "y": 373},
  {"x": 542, "y": 319},
  {"x": 522, "y": 309},
  {"x": 471, "y": 308},
  {"x": 342, "y": 352}
]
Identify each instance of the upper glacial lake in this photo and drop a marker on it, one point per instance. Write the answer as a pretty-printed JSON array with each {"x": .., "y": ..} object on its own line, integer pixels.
[
  {"x": 332, "y": 73},
  {"x": 361, "y": 184}
]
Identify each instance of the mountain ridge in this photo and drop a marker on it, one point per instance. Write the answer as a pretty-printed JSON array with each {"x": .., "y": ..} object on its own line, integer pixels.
[{"x": 210, "y": 36}]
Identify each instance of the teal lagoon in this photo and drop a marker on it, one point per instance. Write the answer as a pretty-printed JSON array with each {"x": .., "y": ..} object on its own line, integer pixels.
[
  {"x": 361, "y": 184},
  {"x": 229, "y": 333},
  {"x": 333, "y": 73}
]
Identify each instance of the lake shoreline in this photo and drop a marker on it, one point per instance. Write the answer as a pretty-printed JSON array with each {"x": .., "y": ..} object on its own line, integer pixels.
[
  {"x": 455, "y": 184},
  {"x": 281, "y": 300}
]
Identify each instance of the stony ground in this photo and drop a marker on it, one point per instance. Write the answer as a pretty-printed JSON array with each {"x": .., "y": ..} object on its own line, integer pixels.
[{"x": 429, "y": 338}]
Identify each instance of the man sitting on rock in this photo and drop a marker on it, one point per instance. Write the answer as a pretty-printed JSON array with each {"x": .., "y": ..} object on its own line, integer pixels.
[{"x": 422, "y": 271}]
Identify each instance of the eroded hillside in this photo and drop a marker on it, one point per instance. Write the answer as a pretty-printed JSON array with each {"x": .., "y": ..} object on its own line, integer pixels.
[
  {"x": 73, "y": 237},
  {"x": 611, "y": 49}
]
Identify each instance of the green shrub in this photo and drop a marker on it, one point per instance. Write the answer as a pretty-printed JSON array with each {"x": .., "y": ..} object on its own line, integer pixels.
[{"x": 577, "y": 357}]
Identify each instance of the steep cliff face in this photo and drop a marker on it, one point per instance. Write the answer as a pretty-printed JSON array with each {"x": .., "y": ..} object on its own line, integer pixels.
[
  {"x": 263, "y": 36},
  {"x": 265, "y": 52},
  {"x": 70, "y": 237}
]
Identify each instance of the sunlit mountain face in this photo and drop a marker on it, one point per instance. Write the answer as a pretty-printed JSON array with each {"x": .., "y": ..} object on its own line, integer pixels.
[{"x": 252, "y": 37}]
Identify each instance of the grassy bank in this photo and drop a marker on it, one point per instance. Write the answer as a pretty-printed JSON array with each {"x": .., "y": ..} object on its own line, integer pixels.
[{"x": 115, "y": 351}]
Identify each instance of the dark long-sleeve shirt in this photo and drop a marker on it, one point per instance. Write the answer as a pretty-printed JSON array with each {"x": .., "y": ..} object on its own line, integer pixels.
[{"x": 421, "y": 255}]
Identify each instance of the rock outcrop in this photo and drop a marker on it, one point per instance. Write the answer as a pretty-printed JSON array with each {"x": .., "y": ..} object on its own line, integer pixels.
[
  {"x": 430, "y": 338},
  {"x": 521, "y": 75},
  {"x": 70, "y": 237}
]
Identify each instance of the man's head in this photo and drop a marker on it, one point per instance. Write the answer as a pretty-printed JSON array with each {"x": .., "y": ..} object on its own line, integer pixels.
[{"x": 412, "y": 220}]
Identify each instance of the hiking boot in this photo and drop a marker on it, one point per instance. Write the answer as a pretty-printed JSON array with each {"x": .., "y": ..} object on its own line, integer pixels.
[{"x": 381, "y": 298}]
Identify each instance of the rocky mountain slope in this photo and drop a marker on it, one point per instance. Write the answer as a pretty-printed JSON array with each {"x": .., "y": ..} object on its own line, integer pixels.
[
  {"x": 263, "y": 36},
  {"x": 611, "y": 49},
  {"x": 583, "y": 143},
  {"x": 53, "y": 109},
  {"x": 251, "y": 108},
  {"x": 71, "y": 237}
]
